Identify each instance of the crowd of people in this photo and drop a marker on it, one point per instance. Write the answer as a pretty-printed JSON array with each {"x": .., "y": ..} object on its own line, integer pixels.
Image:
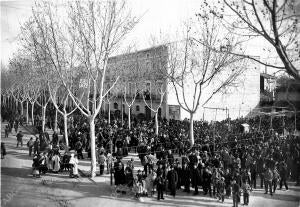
[{"x": 225, "y": 161}]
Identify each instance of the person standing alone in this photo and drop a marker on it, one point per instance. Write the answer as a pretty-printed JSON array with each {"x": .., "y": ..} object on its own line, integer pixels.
[
  {"x": 30, "y": 144},
  {"x": 20, "y": 139}
]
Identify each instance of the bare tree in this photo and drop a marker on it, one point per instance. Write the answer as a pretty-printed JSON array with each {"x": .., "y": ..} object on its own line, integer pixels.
[
  {"x": 56, "y": 92},
  {"x": 129, "y": 97},
  {"x": 93, "y": 31},
  {"x": 198, "y": 71},
  {"x": 33, "y": 95},
  {"x": 19, "y": 66},
  {"x": 276, "y": 21},
  {"x": 159, "y": 91},
  {"x": 6, "y": 84}
]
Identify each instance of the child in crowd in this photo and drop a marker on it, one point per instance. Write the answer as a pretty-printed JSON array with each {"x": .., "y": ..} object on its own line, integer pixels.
[
  {"x": 246, "y": 192},
  {"x": 221, "y": 189}
]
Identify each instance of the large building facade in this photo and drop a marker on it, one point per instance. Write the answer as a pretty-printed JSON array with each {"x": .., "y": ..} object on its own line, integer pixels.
[
  {"x": 142, "y": 78},
  {"x": 144, "y": 72}
]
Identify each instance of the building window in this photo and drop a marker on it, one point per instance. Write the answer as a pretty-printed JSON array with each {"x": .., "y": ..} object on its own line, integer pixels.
[
  {"x": 137, "y": 108},
  {"x": 148, "y": 87},
  {"x": 116, "y": 106},
  {"x": 147, "y": 90}
]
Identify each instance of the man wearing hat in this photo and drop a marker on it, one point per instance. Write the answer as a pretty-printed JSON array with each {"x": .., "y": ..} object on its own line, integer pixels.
[
  {"x": 20, "y": 139},
  {"x": 78, "y": 147},
  {"x": 172, "y": 177}
]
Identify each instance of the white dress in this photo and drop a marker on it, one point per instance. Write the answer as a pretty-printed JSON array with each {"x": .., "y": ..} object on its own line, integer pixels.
[
  {"x": 74, "y": 161},
  {"x": 49, "y": 163},
  {"x": 56, "y": 160}
]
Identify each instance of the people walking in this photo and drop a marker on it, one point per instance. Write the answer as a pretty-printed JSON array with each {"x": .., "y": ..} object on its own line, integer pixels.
[
  {"x": 6, "y": 131},
  {"x": 30, "y": 145},
  {"x": 3, "y": 150},
  {"x": 235, "y": 193},
  {"x": 36, "y": 146},
  {"x": 20, "y": 139}
]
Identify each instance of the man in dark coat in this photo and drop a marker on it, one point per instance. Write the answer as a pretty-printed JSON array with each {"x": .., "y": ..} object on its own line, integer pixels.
[
  {"x": 160, "y": 186},
  {"x": 78, "y": 148},
  {"x": 172, "y": 177},
  {"x": 178, "y": 169},
  {"x": 170, "y": 157},
  {"x": 207, "y": 178},
  {"x": 283, "y": 175},
  {"x": 119, "y": 173},
  {"x": 193, "y": 160},
  {"x": 3, "y": 150},
  {"x": 195, "y": 176},
  {"x": 20, "y": 139},
  {"x": 235, "y": 193},
  {"x": 55, "y": 139},
  {"x": 30, "y": 144},
  {"x": 185, "y": 177},
  {"x": 36, "y": 146},
  {"x": 260, "y": 170}
]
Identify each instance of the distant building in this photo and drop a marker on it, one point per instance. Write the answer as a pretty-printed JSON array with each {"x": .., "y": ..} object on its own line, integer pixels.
[
  {"x": 287, "y": 94},
  {"x": 142, "y": 72},
  {"x": 145, "y": 70},
  {"x": 147, "y": 67}
]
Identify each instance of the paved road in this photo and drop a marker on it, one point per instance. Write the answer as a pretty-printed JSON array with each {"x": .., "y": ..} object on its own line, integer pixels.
[{"x": 18, "y": 188}]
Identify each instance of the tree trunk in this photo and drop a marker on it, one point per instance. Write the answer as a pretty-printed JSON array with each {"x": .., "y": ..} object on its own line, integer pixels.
[
  {"x": 22, "y": 109},
  {"x": 122, "y": 112},
  {"x": 93, "y": 146},
  {"x": 32, "y": 117},
  {"x": 156, "y": 123},
  {"x": 109, "y": 113},
  {"x": 27, "y": 118},
  {"x": 16, "y": 105},
  {"x": 43, "y": 117},
  {"x": 129, "y": 114},
  {"x": 66, "y": 131},
  {"x": 192, "y": 141},
  {"x": 55, "y": 120}
]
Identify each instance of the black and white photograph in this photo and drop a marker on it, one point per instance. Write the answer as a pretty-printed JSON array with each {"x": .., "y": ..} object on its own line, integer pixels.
[{"x": 150, "y": 103}]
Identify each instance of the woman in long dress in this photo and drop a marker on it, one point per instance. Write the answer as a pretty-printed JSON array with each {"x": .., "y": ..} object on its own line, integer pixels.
[
  {"x": 49, "y": 161},
  {"x": 150, "y": 182},
  {"x": 56, "y": 163},
  {"x": 74, "y": 162}
]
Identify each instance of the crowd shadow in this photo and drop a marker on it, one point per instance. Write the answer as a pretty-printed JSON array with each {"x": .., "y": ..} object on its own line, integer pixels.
[
  {"x": 20, "y": 155},
  {"x": 24, "y": 172},
  {"x": 277, "y": 196},
  {"x": 104, "y": 190}
]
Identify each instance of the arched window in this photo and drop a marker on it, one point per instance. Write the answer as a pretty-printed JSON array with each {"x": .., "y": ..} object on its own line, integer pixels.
[
  {"x": 137, "y": 108},
  {"x": 115, "y": 105}
]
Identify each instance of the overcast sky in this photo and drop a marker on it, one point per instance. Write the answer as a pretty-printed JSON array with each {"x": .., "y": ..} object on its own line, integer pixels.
[
  {"x": 157, "y": 15},
  {"x": 165, "y": 16}
]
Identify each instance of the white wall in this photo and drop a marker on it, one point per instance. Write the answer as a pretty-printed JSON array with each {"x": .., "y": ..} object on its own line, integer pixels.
[{"x": 239, "y": 101}]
